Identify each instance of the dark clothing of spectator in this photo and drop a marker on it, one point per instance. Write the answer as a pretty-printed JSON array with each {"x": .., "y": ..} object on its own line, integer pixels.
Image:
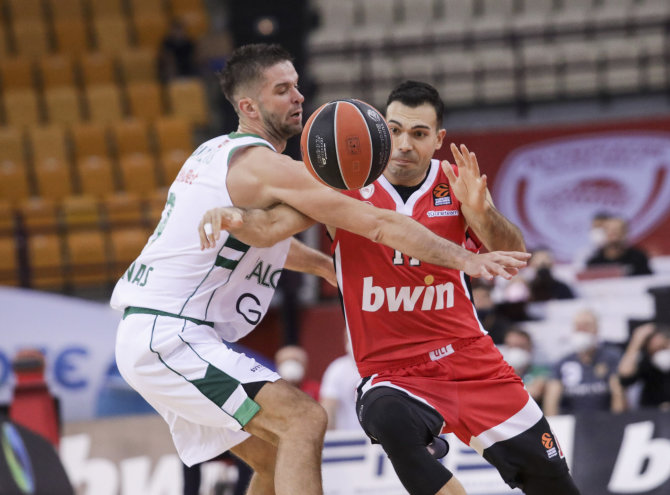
[
  {"x": 655, "y": 384},
  {"x": 634, "y": 260},
  {"x": 544, "y": 287},
  {"x": 586, "y": 386}
]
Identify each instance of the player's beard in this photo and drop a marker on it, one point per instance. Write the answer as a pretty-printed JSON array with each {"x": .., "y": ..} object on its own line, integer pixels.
[{"x": 278, "y": 127}]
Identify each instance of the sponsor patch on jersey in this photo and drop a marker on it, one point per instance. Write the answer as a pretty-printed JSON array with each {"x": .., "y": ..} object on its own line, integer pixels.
[
  {"x": 441, "y": 195},
  {"x": 367, "y": 191},
  {"x": 442, "y": 213}
]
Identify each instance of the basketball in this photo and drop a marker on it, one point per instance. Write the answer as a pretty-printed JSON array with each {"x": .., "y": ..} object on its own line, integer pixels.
[{"x": 346, "y": 144}]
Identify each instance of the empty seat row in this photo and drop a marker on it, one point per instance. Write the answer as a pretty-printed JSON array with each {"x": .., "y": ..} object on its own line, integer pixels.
[
  {"x": 35, "y": 9},
  {"x": 90, "y": 69},
  {"x": 81, "y": 258},
  {"x": 106, "y": 103},
  {"x": 110, "y": 33}
]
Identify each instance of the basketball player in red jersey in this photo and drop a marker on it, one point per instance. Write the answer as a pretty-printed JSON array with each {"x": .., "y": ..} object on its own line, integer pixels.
[{"x": 429, "y": 366}]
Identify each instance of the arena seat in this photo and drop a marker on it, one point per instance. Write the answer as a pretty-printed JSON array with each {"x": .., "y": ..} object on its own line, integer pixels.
[
  {"x": 45, "y": 259},
  {"x": 25, "y": 10},
  {"x": 188, "y": 100},
  {"x": 21, "y": 107},
  {"x": 8, "y": 261},
  {"x": 126, "y": 245},
  {"x": 89, "y": 139},
  {"x": 96, "y": 175},
  {"x": 100, "y": 9},
  {"x": 53, "y": 179},
  {"x": 48, "y": 142},
  {"x": 56, "y": 71},
  {"x": 63, "y": 105},
  {"x": 65, "y": 9},
  {"x": 17, "y": 73},
  {"x": 104, "y": 103},
  {"x": 12, "y": 147},
  {"x": 30, "y": 38},
  {"x": 153, "y": 7},
  {"x": 81, "y": 212},
  {"x": 13, "y": 181},
  {"x": 173, "y": 133},
  {"x": 131, "y": 136},
  {"x": 88, "y": 262},
  {"x": 97, "y": 68},
  {"x": 145, "y": 100},
  {"x": 149, "y": 31},
  {"x": 170, "y": 163},
  {"x": 111, "y": 34},
  {"x": 39, "y": 215},
  {"x": 138, "y": 173},
  {"x": 138, "y": 65},
  {"x": 71, "y": 36},
  {"x": 123, "y": 210}
]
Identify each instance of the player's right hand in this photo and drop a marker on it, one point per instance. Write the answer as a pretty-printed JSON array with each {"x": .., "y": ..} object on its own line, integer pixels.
[
  {"x": 215, "y": 220},
  {"x": 503, "y": 264}
]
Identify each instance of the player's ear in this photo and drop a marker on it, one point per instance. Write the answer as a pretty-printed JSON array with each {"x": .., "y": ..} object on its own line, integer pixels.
[
  {"x": 247, "y": 106},
  {"x": 441, "y": 133}
]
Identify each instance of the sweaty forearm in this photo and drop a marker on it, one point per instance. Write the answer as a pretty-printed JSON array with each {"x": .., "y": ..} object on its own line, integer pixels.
[
  {"x": 495, "y": 231},
  {"x": 413, "y": 239},
  {"x": 264, "y": 228}
]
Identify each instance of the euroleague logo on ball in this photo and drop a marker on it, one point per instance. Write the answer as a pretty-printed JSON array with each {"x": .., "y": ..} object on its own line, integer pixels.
[
  {"x": 346, "y": 144},
  {"x": 552, "y": 189}
]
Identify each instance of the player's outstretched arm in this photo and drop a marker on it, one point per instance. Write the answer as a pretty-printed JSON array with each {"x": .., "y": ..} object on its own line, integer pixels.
[
  {"x": 262, "y": 178},
  {"x": 255, "y": 227},
  {"x": 470, "y": 187}
]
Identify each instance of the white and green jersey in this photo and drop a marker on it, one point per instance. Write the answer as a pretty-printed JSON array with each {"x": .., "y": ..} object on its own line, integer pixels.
[{"x": 229, "y": 286}]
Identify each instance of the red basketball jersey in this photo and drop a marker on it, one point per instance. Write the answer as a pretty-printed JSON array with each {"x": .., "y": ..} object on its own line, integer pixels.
[{"x": 397, "y": 307}]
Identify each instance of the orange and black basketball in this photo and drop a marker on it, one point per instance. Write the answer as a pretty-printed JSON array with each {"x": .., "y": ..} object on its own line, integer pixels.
[{"x": 346, "y": 144}]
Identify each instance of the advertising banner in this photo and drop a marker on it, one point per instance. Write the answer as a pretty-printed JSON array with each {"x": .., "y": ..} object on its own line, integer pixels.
[
  {"x": 552, "y": 180},
  {"x": 624, "y": 454}
]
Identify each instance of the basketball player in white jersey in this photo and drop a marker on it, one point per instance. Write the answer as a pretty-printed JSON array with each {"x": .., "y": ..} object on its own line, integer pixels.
[{"x": 182, "y": 304}]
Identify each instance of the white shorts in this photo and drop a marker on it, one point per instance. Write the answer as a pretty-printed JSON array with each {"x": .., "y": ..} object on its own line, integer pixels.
[{"x": 192, "y": 379}]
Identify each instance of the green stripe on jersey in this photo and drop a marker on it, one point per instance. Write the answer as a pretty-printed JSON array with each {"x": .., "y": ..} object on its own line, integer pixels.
[
  {"x": 234, "y": 250},
  {"x": 246, "y": 411}
]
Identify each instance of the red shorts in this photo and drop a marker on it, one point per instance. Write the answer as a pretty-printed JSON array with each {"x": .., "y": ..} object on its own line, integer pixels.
[{"x": 480, "y": 397}]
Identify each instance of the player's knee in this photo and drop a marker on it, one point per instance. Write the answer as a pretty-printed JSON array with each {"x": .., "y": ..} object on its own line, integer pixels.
[
  {"x": 310, "y": 418},
  {"x": 389, "y": 421}
]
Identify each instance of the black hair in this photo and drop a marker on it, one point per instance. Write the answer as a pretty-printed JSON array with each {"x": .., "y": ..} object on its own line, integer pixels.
[
  {"x": 246, "y": 65},
  {"x": 416, "y": 93}
]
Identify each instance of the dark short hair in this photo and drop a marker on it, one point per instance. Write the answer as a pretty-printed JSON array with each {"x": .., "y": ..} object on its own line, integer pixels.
[
  {"x": 246, "y": 65},
  {"x": 416, "y": 93}
]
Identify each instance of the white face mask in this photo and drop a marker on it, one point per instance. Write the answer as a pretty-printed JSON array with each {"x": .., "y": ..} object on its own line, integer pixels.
[
  {"x": 583, "y": 341},
  {"x": 291, "y": 370},
  {"x": 597, "y": 237},
  {"x": 516, "y": 357},
  {"x": 661, "y": 360}
]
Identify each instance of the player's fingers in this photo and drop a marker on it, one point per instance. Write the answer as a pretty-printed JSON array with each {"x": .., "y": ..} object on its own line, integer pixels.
[
  {"x": 201, "y": 234},
  {"x": 474, "y": 163},
  {"x": 458, "y": 157},
  {"x": 448, "y": 171}
]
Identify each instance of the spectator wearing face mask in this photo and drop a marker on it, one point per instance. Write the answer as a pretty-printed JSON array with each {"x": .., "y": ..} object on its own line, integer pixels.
[
  {"x": 291, "y": 361},
  {"x": 647, "y": 359},
  {"x": 517, "y": 349},
  {"x": 543, "y": 285},
  {"x": 586, "y": 379},
  {"x": 616, "y": 250},
  {"x": 595, "y": 241}
]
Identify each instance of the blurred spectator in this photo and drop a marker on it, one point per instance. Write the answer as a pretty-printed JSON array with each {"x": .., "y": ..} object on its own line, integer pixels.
[
  {"x": 647, "y": 360},
  {"x": 596, "y": 240},
  {"x": 495, "y": 323},
  {"x": 517, "y": 349},
  {"x": 585, "y": 380},
  {"x": 617, "y": 251},
  {"x": 177, "y": 54},
  {"x": 543, "y": 285},
  {"x": 338, "y": 391},
  {"x": 291, "y": 363}
]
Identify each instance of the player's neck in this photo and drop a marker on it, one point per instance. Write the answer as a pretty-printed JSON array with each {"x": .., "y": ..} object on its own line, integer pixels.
[{"x": 250, "y": 128}]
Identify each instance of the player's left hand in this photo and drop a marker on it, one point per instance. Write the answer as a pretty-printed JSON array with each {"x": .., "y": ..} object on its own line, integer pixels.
[
  {"x": 469, "y": 186},
  {"x": 215, "y": 220}
]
